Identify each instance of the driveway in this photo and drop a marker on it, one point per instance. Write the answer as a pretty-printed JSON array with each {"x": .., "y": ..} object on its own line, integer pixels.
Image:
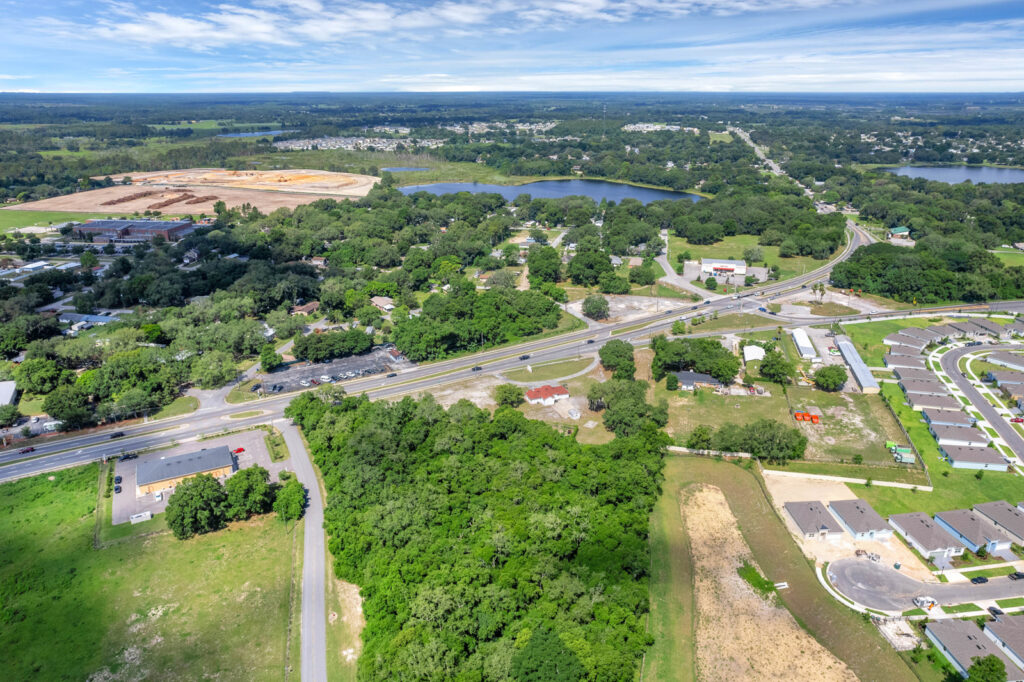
[{"x": 886, "y": 589}]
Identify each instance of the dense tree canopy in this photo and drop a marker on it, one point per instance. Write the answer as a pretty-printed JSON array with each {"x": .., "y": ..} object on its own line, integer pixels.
[{"x": 708, "y": 356}]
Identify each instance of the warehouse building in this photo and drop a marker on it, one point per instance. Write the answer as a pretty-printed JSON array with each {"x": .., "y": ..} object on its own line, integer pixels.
[
  {"x": 141, "y": 230},
  {"x": 8, "y": 392},
  {"x": 152, "y": 475},
  {"x": 861, "y": 374},
  {"x": 803, "y": 344}
]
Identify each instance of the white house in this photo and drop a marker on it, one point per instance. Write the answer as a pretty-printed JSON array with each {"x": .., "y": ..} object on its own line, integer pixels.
[
  {"x": 962, "y": 457},
  {"x": 925, "y": 536},
  {"x": 860, "y": 519},
  {"x": 814, "y": 521},
  {"x": 546, "y": 395}
]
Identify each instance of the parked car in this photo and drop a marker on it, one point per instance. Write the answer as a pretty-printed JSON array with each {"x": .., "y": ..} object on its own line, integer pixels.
[
  {"x": 117, "y": 434},
  {"x": 304, "y": 383},
  {"x": 314, "y": 382},
  {"x": 979, "y": 580},
  {"x": 1017, "y": 420},
  {"x": 25, "y": 451},
  {"x": 255, "y": 387},
  {"x": 277, "y": 388},
  {"x": 1016, "y": 575},
  {"x": 924, "y": 602},
  {"x": 237, "y": 451},
  {"x": 995, "y": 611},
  {"x": 326, "y": 378},
  {"x": 476, "y": 369},
  {"x": 117, "y": 479},
  {"x": 158, "y": 495},
  {"x": 35, "y": 420},
  {"x": 117, "y": 488},
  {"x": 125, "y": 458}
]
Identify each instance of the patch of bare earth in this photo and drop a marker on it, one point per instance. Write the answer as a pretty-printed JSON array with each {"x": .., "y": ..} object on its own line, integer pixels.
[
  {"x": 346, "y": 615},
  {"x": 740, "y": 635}
]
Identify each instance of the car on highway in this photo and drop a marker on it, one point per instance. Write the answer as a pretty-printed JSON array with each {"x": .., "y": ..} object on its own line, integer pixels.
[
  {"x": 392, "y": 374},
  {"x": 25, "y": 451},
  {"x": 304, "y": 383},
  {"x": 524, "y": 357},
  {"x": 117, "y": 479},
  {"x": 707, "y": 302},
  {"x": 117, "y": 434},
  {"x": 979, "y": 580},
  {"x": 476, "y": 369},
  {"x": 694, "y": 307},
  {"x": 1016, "y": 575},
  {"x": 237, "y": 451},
  {"x": 590, "y": 341},
  {"x": 117, "y": 488}
]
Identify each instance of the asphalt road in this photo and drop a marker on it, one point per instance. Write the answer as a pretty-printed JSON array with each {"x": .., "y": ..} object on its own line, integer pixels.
[
  {"x": 886, "y": 589},
  {"x": 1005, "y": 429}
]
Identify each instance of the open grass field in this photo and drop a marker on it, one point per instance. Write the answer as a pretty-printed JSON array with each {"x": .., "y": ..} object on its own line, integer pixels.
[
  {"x": 990, "y": 572},
  {"x": 832, "y": 309},
  {"x": 31, "y": 404},
  {"x": 953, "y": 488},
  {"x": 550, "y": 371},
  {"x": 185, "y": 404},
  {"x": 1011, "y": 258},
  {"x": 902, "y": 474},
  {"x": 720, "y": 137},
  {"x": 687, "y": 410},
  {"x": 732, "y": 248},
  {"x": 12, "y": 220},
  {"x": 867, "y": 336},
  {"x": 732, "y": 321},
  {"x": 216, "y": 606},
  {"x": 843, "y": 632}
]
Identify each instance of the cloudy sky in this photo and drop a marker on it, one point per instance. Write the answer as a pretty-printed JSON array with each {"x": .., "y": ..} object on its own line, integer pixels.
[{"x": 560, "y": 45}]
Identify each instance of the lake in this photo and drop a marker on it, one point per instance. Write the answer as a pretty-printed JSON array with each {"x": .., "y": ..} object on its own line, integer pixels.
[
  {"x": 555, "y": 189},
  {"x": 400, "y": 169},
  {"x": 957, "y": 174},
  {"x": 258, "y": 133}
]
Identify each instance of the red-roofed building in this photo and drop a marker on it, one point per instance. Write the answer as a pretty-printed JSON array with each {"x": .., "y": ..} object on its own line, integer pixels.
[{"x": 546, "y": 395}]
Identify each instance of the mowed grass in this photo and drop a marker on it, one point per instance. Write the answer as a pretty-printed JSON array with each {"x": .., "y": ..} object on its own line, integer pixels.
[
  {"x": 731, "y": 322},
  {"x": 720, "y": 137},
  {"x": 11, "y": 219},
  {"x": 953, "y": 488},
  {"x": 688, "y": 410},
  {"x": 867, "y": 336},
  {"x": 1011, "y": 258},
  {"x": 989, "y": 572},
  {"x": 844, "y": 632},
  {"x": 155, "y": 608},
  {"x": 185, "y": 404},
  {"x": 732, "y": 248},
  {"x": 549, "y": 372}
]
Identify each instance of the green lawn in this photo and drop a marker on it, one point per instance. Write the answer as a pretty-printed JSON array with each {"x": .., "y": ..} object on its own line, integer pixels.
[
  {"x": 903, "y": 474},
  {"x": 216, "y": 606},
  {"x": 1011, "y": 258},
  {"x": 185, "y": 404},
  {"x": 31, "y": 404},
  {"x": 720, "y": 137},
  {"x": 243, "y": 393},
  {"x": 687, "y": 410},
  {"x": 832, "y": 309},
  {"x": 731, "y": 321},
  {"x": 1011, "y": 603},
  {"x": 276, "y": 446},
  {"x": 962, "y": 608},
  {"x": 989, "y": 572},
  {"x": 732, "y": 248},
  {"x": 953, "y": 488},
  {"x": 11, "y": 218},
  {"x": 550, "y": 371},
  {"x": 867, "y": 336}
]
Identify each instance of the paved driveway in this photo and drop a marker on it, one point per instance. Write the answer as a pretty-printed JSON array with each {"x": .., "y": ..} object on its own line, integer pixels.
[{"x": 886, "y": 589}]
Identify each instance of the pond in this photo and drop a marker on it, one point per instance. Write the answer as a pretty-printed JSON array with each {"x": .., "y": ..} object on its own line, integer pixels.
[
  {"x": 403, "y": 169},
  {"x": 555, "y": 189},
  {"x": 957, "y": 174},
  {"x": 257, "y": 133}
]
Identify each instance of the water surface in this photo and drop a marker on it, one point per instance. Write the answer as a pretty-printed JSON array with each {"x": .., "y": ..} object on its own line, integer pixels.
[
  {"x": 556, "y": 189},
  {"x": 957, "y": 174}
]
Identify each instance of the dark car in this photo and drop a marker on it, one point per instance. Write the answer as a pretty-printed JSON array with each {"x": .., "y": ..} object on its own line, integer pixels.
[
  {"x": 117, "y": 434},
  {"x": 117, "y": 479},
  {"x": 255, "y": 387},
  {"x": 476, "y": 369},
  {"x": 117, "y": 488},
  {"x": 392, "y": 374},
  {"x": 979, "y": 580},
  {"x": 524, "y": 357},
  {"x": 27, "y": 450},
  {"x": 590, "y": 341},
  {"x": 995, "y": 611},
  {"x": 125, "y": 458},
  {"x": 1016, "y": 575},
  {"x": 277, "y": 388}
]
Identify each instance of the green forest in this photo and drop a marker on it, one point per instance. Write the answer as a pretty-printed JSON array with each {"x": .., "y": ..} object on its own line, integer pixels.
[{"x": 486, "y": 547}]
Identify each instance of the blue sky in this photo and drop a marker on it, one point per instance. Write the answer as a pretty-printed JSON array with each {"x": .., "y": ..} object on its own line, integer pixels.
[{"x": 557, "y": 45}]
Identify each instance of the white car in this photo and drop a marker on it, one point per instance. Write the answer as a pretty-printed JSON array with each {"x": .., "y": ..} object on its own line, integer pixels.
[
  {"x": 326, "y": 378},
  {"x": 305, "y": 383},
  {"x": 158, "y": 496}
]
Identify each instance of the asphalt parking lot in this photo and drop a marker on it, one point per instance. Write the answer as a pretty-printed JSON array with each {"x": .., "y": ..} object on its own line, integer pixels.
[
  {"x": 126, "y": 503},
  {"x": 378, "y": 361}
]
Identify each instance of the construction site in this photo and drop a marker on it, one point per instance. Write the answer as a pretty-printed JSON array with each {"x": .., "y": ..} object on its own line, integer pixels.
[{"x": 196, "y": 190}]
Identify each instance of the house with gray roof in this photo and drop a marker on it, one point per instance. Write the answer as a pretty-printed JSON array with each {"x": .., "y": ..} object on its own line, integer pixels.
[
  {"x": 1009, "y": 360},
  {"x": 965, "y": 457},
  {"x": 974, "y": 532},
  {"x": 861, "y": 374},
  {"x": 908, "y": 361},
  {"x": 814, "y": 521},
  {"x": 1007, "y": 632},
  {"x": 946, "y": 331},
  {"x": 1005, "y": 517},
  {"x": 920, "y": 401},
  {"x": 925, "y": 536},
  {"x": 923, "y": 333},
  {"x": 967, "y": 437},
  {"x": 993, "y": 328},
  {"x": 1005, "y": 377},
  {"x": 911, "y": 374},
  {"x": 962, "y": 641},
  {"x": 904, "y": 349},
  {"x": 905, "y": 340},
  {"x": 933, "y": 387},
  {"x": 968, "y": 329},
  {"x": 948, "y": 417},
  {"x": 860, "y": 519}
]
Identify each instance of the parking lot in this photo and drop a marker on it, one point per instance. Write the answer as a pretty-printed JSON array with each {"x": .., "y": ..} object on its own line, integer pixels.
[
  {"x": 126, "y": 503},
  {"x": 291, "y": 378}
]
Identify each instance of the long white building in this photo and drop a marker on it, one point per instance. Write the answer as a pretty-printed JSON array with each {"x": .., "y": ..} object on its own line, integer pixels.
[{"x": 803, "y": 344}]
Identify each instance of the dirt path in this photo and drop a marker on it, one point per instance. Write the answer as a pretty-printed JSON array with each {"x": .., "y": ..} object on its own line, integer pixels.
[{"x": 741, "y": 635}]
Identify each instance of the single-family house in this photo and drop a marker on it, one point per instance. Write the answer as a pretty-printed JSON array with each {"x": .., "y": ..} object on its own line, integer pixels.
[
  {"x": 860, "y": 519},
  {"x": 968, "y": 329},
  {"x": 904, "y": 340},
  {"x": 546, "y": 395},
  {"x": 898, "y": 232},
  {"x": 948, "y": 418},
  {"x": 907, "y": 361},
  {"x": 920, "y": 401},
  {"x": 615, "y": 261},
  {"x": 929, "y": 387},
  {"x": 689, "y": 380},
  {"x": 910, "y": 374},
  {"x": 946, "y": 331},
  {"x": 993, "y": 328},
  {"x": 306, "y": 308},
  {"x": 974, "y": 532},
  {"x": 963, "y": 457},
  {"x": 1016, "y": 328},
  {"x": 904, "y": 349},
  {"x": 1014, "y": 392},
  {"x": 1005, "y": 377},
  {"x": 1005, "y": 517},
  {"x": 925, "y": 536},
  {"x": 385, "y": 304},
  {"x": 923, "y": 333},
  {"x": 1007, "y": 632},
  {"x": 958, "y": 435},
  {"x": 814, "y": 521},
  {"x": 961, "y": 642},
  {"x": 1008, "y": 360}
]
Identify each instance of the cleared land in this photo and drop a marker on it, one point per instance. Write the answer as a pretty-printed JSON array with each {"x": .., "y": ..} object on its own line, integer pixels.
[
  {"x": 551, "y": 371},
  {"x": 149, "y": 607},
  {"x": 732, "y": 248},
  {"x": 740, "y": 633},
  {"x": 867, "y": 336},
  {"x": 196, "y": 190},
  {"x": 848, "y": 636}
]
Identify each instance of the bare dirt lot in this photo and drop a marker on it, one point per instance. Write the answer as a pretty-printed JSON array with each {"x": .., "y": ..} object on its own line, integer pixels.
[
  {"x": 741, "y": 635},
  {"x": 195, "y": 190}
]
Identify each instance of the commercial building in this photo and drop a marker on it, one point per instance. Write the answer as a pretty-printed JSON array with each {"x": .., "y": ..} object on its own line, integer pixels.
[
  {"x": 1005, "y": 517},
  {"x": 77, "y": 318},
  {"x": 921, "y": 401},
  {"x": 948, "y": 418},
  {"x": 8, "y": 392},
  {"x": 1007, "y": 632},
  {"x": 689, "y": 381},
  {"x": 860, "y": 519},
  {"x": 861, "y": 374},
  {"x": 803, "y": 344},
  {"x": 973, "y": 531},
  {"x": 814, "y": 521},
  {"x": 1008, "y": 360},
  {"x": 907, "y": 361},
  {"x": 961, "y": 457},
  {"x": 925, "y": 536},
  {"x": 958, "y": 435},
  {"x": 898, "y": 232},
  {"x": 933, "y": 387},
  {"x": 714, "y": 267},
  {"x": 153, "y": 474},
  {"x": 961, "y": 642},
  {"x": 546, "y": 395},
  {"x": 140, "y": 230}
]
